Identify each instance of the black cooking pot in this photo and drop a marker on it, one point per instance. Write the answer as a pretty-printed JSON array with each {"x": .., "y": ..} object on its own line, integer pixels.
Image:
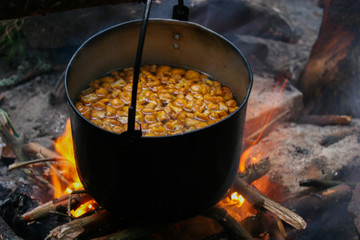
[{"x": 159, "y": 178}]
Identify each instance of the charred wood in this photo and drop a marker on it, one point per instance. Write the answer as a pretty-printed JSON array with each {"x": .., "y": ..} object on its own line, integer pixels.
[
  {"x": 272, "y": 225},
  {"x": 255, "y": 171},
  {"x": 319, "y": 183},
  {"x": 336, "y": 137},
  {"x": 330, "y": 139},
  {"x": 324, "y": 120},
  {"x": 327, "y": 211},
  {"x": 17, "y": 203},
  {"x": 258, "y": 199},
  {"x": 232, "y": 227},
  {"x": 81, "y": 226},
  {"x": 320, "y": 201},
  {"x": 265, "y": 223},
  {"x": 251, "y": 224},
  {"x": 6, "y": 232},
  {"x": 58, "y": 205}
]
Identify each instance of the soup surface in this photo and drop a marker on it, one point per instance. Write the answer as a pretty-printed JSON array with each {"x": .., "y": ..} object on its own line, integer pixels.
[{"x": 170, "y": 100}]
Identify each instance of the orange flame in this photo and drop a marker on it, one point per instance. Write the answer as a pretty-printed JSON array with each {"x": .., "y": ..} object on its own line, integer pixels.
[
  {"x": 237, "y": 206},
  {"x": 243, "y": 208},
  {"x": 246, "y": 155},
  {"x": 247, "y": 158},
  {"x": 237, "y": 199},
  {"x": 64, "y": 146},
  {"x": 84, "y": 208},
  {"x": 262, "y": 184}
]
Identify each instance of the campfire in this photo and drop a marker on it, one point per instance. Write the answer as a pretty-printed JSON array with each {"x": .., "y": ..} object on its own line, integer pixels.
[
  {"x": 71, "y": 199},
  {"x": 64, "y": 177},
  {"x": 297, "y": 176}
]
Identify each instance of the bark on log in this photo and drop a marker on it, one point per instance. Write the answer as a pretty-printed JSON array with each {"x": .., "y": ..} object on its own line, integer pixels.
[
  {"x": 272, "y": 225},
  {"x": 259, "y": 200},
  {"x": 324, "y": 120},
  {"x": 19, "y": 8},
  {"x": 319, "y": 183},
  {"x": 335, "y": 137},
  {"x": 81, "y": 226},
  {"x": 59, "y": 204},
  {"x": 32, "y": 149},
  {"x": 330, "y": 81},
  {"x": 255, "y": 170},
  {"x": 314, "y": 204}
]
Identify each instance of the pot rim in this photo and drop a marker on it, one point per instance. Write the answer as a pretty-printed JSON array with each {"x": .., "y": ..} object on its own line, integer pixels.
[{"x": 93, "y": 37}]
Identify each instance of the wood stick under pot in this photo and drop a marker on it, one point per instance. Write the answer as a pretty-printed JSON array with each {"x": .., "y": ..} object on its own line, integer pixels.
[
  {"x": 260, "y": 200},
  {"x": 235, "y": 230},
  {"x": 80, "y": 226},
  {"x": 58, "y": 204}
]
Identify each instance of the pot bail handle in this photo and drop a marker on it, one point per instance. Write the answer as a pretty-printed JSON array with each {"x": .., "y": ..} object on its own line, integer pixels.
[
  {"x": 132, "y": 109},
  {"x": 180, "y": 11}
]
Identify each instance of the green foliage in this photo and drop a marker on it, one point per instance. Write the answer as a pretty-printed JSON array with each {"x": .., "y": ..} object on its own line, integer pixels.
[{"x": 11, "y": 38}]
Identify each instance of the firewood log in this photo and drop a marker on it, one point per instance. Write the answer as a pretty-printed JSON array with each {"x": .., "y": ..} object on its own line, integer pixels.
[
  {"x": 32, "y": 149},
  {"x": 324, "y": 120},
  {"x": 80, "y": 226},
  {"x": 258, "y": 199},
  {"x": 59, "y": 204},
  {"x": 317, "y": 202},
  {"x": 235, "y": 230},
  {"x": 330, "y": 81}
]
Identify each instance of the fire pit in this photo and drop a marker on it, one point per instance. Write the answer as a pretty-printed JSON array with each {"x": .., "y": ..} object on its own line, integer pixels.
[{"x": 297, "y": 177}]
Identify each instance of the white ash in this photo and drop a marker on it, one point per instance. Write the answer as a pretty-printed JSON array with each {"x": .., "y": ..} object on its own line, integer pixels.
[{"x": 296, "y": 154}]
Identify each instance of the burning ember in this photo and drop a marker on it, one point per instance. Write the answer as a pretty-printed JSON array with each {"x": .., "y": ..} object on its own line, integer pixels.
[
  {"x": 84, "y": 208},
  {"x": 237, "y": 198},
  {"x": 69, "y": 180}
]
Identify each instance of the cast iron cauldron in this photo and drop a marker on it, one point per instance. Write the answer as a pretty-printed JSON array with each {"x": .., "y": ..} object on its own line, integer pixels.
[{"x": 159, "y": 178}]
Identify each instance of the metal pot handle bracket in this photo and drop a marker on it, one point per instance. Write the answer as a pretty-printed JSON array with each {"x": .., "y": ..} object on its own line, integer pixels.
[{"x": 180, "y": 11}]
